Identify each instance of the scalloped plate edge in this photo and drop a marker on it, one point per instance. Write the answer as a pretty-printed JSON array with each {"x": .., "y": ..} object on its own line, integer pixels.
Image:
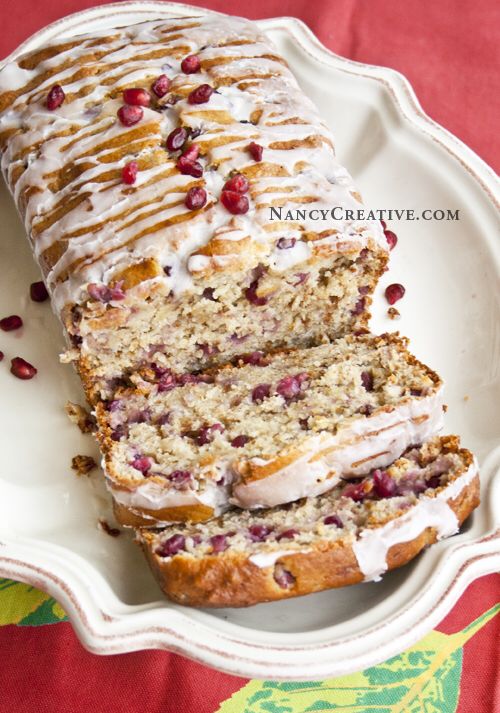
[{"x": 105, "y": 626}]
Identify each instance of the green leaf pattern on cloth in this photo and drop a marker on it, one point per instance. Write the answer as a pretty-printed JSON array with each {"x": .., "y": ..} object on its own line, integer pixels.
[
  {"x": 423, "y": 679},
  {"x": 24, "y": 605}
]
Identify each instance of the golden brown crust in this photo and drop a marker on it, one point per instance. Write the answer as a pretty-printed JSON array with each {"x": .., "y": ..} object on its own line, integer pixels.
[
  {"x": 143, "y": 517},
  {"x": 234, "y": 581}
]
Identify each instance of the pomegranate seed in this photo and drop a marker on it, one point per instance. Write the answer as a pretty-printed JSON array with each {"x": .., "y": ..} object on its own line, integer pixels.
[
  {"x": 240, "y": 441},
  {"x": 254, "y": 358},
  {"x": 161, "y": 85},
  {"x": 166, "y": 383},
  {"x": 105, "y": 294},
  {"x": 287, "y": 535},
  {"x": 208, "y": 294},
  {"x": 201, "y": 94},
  {"x": 130, "y": 115},
  {"x": 383, "y": 484},
  {"x": 333, "y": 520},
  {"x": 136, "y": 97},
  {"x": 180, "y": 477},
  {"x": 383, "y": 224},
  {"x": 258, "y": 533},
  {"x": 256, "y": 151},
  {"x": 367, "y": 380},
  {"x": 434, "y": 482},
  {"x": 237, "y": 183},
  {"x": 359, "y": 306},
  {"x": 22, "y": 368},
  {"x": 290, "y": 386},
  {"x": 219, "y": 543},
  {"x": 1, "y": 356},
  {"x": 355, "y": 491},
  {"x": 159, "y": 369},
  {"x": 195, "y": 198},
  {"x": 261, "y": 392},
  {"x": 55, "y": 97},
  {"x": 286, "y": 243},
  {"x": 394, "y": 292},
  {"x": 189, "y": 168},
  {"x": 9, "y": 324},
  {"x": 252, "y": 296},
  {"x": 191, "y": 153},
  {"x": 129, "y": 172},
  {"x": 283, "y": 577},
  {"x": 176, "y": 139},
  {"x": 142, "y": 463},
  {"x": 191, "y": 64},
  {"x": 172, "y": 546},
  {"x": 235, "y": 202},
  {"x": 207, "y": 433},
  {"x": 391, "y": 238},
  {"x": 38, "y": 292}
]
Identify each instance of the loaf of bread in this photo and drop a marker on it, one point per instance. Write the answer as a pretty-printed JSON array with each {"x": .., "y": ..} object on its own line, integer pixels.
[
  {"x": 203, "y": 249},
  {"x": 355, "y": 532},
  {"x": 145, "y": 162},
  {"x": 270, "y": 430}
]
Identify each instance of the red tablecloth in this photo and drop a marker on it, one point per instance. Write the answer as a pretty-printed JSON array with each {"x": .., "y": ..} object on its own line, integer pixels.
[
  {"x": 448, "y": 49},
  {"x": 44, "y": 669},
  {"x": 449, "y": 52}
]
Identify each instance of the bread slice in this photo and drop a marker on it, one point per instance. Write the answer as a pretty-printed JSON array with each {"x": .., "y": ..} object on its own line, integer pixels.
[
  {"x": 356, "y": 532},
  {"x": 134, "y": 271},
  {"x": 270, "y": 430}
]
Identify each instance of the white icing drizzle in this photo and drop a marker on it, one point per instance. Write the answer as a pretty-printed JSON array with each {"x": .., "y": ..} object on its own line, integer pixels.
[
  {"x": 373, "y": 544},
  {"x": 113, "y": 215},
  {"x": 268, "y": 559},
  {"x": 153, "y": 496},
  {"x": 308, "y": 475},
  {"x": 393, "y": 431}
]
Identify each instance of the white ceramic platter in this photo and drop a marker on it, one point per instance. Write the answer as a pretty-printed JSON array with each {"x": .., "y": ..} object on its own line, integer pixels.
[{"x": 48, "y": 516}]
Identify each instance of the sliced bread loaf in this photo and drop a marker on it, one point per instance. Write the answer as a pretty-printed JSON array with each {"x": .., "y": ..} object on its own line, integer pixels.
[
  {"x": 267, "y": 431},
  {"x": 183, "y": 200},
  {"x": 356, "y": 532}
]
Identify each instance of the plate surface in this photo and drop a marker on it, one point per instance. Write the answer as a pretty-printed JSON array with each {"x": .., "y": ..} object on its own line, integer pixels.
[{"x": 48, "y": 517}]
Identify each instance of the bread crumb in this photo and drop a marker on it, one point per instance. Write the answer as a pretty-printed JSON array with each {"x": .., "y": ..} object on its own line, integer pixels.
[
  {"x": 106, "y": 527},
  {"x": 82, "y": 465},
  {"x": 393, "y": 313},
  {"x": 80, "y": 416},
  {"x": 69, "y": 356},
  {"x": 466, "y": 398}
]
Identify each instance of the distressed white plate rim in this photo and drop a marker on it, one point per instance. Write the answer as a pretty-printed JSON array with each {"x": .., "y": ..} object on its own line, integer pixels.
[{"x": 48, "y": 534}]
